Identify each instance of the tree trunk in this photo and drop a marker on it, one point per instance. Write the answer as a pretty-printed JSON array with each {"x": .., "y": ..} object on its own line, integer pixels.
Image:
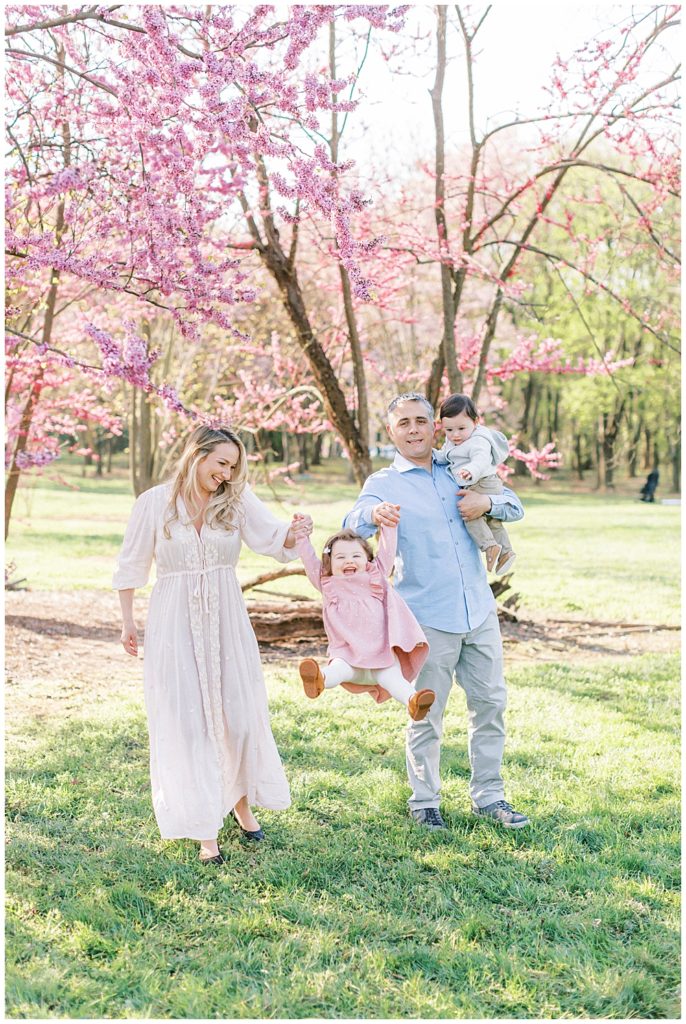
[
  {"x": 523, "y": 432},
  {"x": 611, "y": 427},
  {"x": 556, "y": 414},
  {"x": 146, "y": 458},
  {"x": 12, "y": 481},
  {"x": 283, "y": 270},
  {"x": 534, "y": 428},
  {"x": 435, "y": 381},
  {"x": 632, "y": 454},
  {"x": 647, "y": 456},
  {"x": 489, "y": 334},
  {"x": 133, "y": 442},
  {"x": 302, "y": 447},
  {"x": 448, "y": 303},
  {"x": 676, "y": 463},
  {"x": 359, "y": 376},
  {"x": 600, "y": 467},
  {"x": 20, "y": 447},
  {"x": 578, "y": 458},
  {"x": 317, "y": 449}
]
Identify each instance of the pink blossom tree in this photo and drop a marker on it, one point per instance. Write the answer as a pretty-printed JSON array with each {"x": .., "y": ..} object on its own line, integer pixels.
[
  {"x": 170, "y": 164},
  {"x": 611, "y": 116},
  {"x": 186, "y": 125}
]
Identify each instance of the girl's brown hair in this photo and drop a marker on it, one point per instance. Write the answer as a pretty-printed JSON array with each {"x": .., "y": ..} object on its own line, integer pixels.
[{"x": 346, "y": 534}]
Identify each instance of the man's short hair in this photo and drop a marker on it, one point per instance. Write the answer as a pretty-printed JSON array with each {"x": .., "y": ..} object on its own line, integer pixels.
[{"x": 411, "y": 396}]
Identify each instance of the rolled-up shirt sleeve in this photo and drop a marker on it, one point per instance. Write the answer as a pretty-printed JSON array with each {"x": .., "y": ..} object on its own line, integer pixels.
[
  {"x": 138, "y": 548},
  {"x": 262, "y": 531},
  {"x": 506, "y": 506},
  {"x": 359, "y": 518}
]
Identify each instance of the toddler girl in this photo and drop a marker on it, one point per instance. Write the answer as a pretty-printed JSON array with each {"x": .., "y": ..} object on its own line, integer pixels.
[
  {"x": 473, "y": 454},
  {"x": 371, "y": 631}
]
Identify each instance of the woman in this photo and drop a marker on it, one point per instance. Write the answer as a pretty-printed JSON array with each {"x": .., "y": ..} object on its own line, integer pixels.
[{"x": 211, "y": 748}]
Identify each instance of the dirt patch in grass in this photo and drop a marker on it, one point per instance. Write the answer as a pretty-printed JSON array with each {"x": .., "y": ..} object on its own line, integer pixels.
[{"x": 62, "y": 649}]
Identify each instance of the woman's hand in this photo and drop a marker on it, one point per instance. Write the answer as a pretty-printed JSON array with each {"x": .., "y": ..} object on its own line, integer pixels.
[
  {"x": 386, "y": 514},
  {"x": 129, "y": 638},
  {"x": 301, "y": 526}
]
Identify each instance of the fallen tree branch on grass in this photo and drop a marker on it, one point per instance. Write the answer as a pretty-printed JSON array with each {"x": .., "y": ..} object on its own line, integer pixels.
[{"x": 267, "y": 577}]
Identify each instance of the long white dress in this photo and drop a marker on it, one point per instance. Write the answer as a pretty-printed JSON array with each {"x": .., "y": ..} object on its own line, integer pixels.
[{"x": 210, "y": 738}]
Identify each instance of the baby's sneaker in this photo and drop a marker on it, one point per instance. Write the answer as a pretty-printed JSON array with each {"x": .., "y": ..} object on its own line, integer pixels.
[
  {"x": 313, "y": 680},
  {"x": 492, "y": 556},
  {"x": 419, "y": 704},
  {"x": 505, "y": 563}
]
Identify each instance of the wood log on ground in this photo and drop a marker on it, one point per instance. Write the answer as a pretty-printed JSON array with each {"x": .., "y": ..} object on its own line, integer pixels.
[
  {"x": 279, "y": 622},
  {"x": 300, "y": 619},
  {"x": 267, "y": 577}
]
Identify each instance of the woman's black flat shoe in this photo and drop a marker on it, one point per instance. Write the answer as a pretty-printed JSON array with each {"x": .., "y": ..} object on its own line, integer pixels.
[
  {"x": 219, "y": 859},
  {"x": 256, "y": 836}
]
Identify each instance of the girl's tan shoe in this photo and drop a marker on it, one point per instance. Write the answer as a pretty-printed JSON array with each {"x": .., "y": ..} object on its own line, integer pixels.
[
  {"x": 313, "y": 680},
  {"x": 419, "y": 704}
]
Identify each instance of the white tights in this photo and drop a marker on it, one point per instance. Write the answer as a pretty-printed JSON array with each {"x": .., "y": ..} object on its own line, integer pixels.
[{"x": 391, "y": 678}]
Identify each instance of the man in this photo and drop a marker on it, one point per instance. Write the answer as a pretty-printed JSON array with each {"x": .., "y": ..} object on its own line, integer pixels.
[{"x": 439, "y": 573}]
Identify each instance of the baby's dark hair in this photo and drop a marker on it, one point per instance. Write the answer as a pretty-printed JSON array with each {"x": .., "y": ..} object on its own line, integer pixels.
[
  {"x": 346, "y": 534},
  {"x": 455, "y": 404}
]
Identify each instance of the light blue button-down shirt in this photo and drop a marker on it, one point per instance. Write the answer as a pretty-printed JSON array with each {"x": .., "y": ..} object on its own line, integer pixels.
[{"x": 439, "y": 571}]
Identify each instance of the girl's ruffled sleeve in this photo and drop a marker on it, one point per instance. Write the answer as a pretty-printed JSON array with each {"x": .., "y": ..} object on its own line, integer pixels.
[
  {"x": 261, "y": 530},
  {"x": 138, "y": 548},
  {"x": 313, "y": 567}
]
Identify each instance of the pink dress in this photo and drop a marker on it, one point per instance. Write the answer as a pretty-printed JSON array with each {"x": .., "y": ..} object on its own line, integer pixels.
[{"x": 367, "y": 623}]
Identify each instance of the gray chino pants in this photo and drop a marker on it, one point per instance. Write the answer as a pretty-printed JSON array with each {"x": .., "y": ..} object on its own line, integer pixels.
[{"x": 475, "y": 659}]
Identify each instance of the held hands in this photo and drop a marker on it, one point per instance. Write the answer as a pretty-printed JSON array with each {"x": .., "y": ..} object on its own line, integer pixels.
[
  {"x": 473, "y": 505},
  {"x": 129, "y": 638},
  {"x": 301, "y": 526},
  {"x": 386, "y": 514}
]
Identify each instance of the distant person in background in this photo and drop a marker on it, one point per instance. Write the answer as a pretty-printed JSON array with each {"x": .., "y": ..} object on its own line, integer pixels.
[
  {"x": 650, "y": 486},
  {"x": 212, "y": 752}
]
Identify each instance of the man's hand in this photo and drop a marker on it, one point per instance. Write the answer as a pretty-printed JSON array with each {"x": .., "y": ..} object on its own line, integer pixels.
[
  {"x": 386, "y": 514},
  {"x": 473, "y": 505}
]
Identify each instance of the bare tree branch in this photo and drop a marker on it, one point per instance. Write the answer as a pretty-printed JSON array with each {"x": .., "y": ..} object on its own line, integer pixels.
[
  {"x": 90, "y": 14},
  {"x": 50, "y": 60}
]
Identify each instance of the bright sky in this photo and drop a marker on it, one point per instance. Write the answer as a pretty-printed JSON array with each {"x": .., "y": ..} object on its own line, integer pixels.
[{"x": 517, "y": 43}]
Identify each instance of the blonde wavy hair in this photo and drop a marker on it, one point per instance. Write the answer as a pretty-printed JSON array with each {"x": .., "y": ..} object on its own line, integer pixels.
[{"x": 223, "y": 506}]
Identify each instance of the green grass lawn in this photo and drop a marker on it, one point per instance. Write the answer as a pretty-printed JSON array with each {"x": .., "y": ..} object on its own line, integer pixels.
[
  {"x": 587, "y": 556},
  {"x": 350, "y": 910}
]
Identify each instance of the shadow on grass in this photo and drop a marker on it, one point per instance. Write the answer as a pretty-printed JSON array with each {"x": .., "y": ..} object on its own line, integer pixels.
[
  {"x": 348, "y": 909},
  {"x": 60, "y": 627},
  {"x": 645, "y": 697}
]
